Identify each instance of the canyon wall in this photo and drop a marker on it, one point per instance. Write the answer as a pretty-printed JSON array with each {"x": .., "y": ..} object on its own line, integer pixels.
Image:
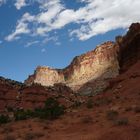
[
  {"x": 46, "y": 76},
  {"x": 91, "y": 72},
  {"x": 101, "y": 62}
]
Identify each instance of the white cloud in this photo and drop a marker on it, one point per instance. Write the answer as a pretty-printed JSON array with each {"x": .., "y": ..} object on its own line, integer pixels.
[
  {"x": 103, "y": 16},
  {"x": 94, "y": 18},
  {"x": 31, "y": 43},
  {"x": 48, "y": 39},
  {"x": 21, "y": 28},
  {"x": 20, "y": 3}
]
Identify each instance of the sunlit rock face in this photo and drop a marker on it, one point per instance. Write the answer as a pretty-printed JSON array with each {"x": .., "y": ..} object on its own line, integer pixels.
[
  {"x": 101, "y": 62},
  {"x": 90, "y": 72},
  {"x": 46, "y": 76}
]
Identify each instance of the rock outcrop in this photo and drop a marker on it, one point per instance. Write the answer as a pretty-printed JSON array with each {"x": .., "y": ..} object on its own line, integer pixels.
[
  {"x": 101, "y": 62},
  {"x": 129, "y": 47},
  {"x": 15, "y": 95},
  {"x": 90, "y": 72},
  {"x": 46, "y": 76}
]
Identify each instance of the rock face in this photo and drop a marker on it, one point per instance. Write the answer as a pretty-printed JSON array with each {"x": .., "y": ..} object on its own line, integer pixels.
[
  {"x": 90, "y": 72},
  {"x": 101, "y": 62},
  {"x": 46, "y": 76},
  {"x": 130, "y": 47}
]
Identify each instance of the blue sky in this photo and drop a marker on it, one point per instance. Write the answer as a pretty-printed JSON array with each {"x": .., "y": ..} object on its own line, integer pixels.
[{"x": 52, "y": 32}]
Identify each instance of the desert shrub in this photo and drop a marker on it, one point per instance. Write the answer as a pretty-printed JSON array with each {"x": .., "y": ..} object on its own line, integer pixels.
[
  {"x": 23, "y": 114},
  {"x": 121, "y": 121},
  {"x": 20, "y": 115},
  {"x": 111, "y": 115},
  {"x": 52, "y": 110},
  {"x": 89, "y": 103},
  {"x": 76, "y": 104},
  {"x": 4, "y": 119},
  {"x": 29, "y": 113}
]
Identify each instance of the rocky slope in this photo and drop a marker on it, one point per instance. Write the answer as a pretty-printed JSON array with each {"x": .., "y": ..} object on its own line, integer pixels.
[
  {"x": 114, "y": 114},
  {"x": 15, "y": 95}
]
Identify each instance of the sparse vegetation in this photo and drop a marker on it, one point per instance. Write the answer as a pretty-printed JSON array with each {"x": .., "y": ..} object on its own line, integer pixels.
[
  {"x": 4, "y": 119},
  {"x": 52, "y": 109},
  {"x": 76, "y": 104},
  {"x": 20, "y": 115},
  {"x": 112, "y": 115},
  {"x": 121, "y": 121}
]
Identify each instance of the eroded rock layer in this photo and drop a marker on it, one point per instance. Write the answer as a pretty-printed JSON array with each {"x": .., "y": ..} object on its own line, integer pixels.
[
  {"x": 101, "y": 62},
  {"x": 90, "y": 72}
]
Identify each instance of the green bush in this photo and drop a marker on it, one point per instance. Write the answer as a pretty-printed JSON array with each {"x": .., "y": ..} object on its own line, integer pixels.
[
  {"x": 23, "y": 115},
  {"x": 52, "y": 110},
  {"x": 4, "y": 119},
  {"x": 20, "y": 115}
]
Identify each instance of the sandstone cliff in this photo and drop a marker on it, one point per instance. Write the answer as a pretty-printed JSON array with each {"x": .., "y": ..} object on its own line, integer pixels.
[
  {"x": 101, "y": 62},
  {"x": 90, "y": 72},
  {"x": 46, "y": 76}
]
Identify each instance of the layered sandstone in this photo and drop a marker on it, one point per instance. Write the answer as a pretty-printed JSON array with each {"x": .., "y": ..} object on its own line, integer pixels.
[
  {"x": 101, "y": 62},
  {"x": 46, "y": 76},
  {"x": 90, "y": 72}
]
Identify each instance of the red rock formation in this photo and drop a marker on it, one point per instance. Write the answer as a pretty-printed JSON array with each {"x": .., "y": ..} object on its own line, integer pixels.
[
  {"x": 130, "y": 47},
  {"x": 16, "y": 96},
  {"x": 94, "y": 68},
  {"x": 100, "y": 62}
]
